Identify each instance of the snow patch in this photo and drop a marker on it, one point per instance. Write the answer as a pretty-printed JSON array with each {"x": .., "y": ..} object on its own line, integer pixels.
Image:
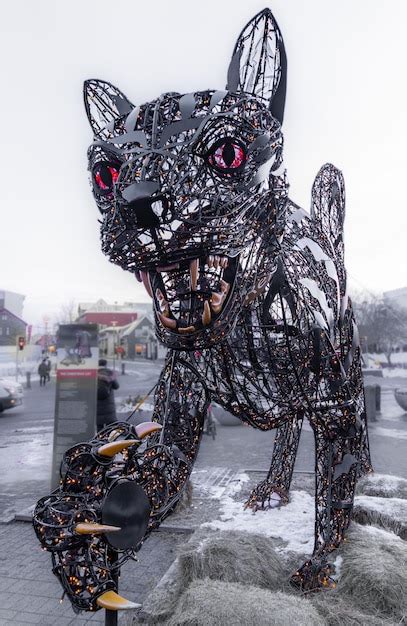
[
  {"x": 388, "y": 483},
  {"x": 393, "y": 507},
  {"x": 293, "y": 523},
  {"x": 383, "y": 535},
  {"x": 395, "y": 372},
  {"x": 389, "y": 432}
]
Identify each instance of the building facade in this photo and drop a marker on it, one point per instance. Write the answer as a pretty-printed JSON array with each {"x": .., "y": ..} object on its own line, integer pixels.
[
  {"x": 11, "y": 327},
  {"x": 133, "y": 341},
  {"x": 12, "y": 301},
  {"x": 107, "y": 315}
]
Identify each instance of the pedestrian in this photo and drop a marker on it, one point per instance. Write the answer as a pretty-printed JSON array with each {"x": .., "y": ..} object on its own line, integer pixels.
[
  {"x": 48, "y": 364},
  {"x": 43, "y": 372},
  {"x": 106, "y": 408}
]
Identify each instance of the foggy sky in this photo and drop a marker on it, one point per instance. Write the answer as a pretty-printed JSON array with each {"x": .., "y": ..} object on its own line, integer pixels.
[{"x": 345, "y": 104}]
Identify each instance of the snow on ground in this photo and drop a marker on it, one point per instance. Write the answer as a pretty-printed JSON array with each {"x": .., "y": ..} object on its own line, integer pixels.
[
  {"x": 396, "y": 357},
  {"x": 9, "y": 368},
  {"x": 389, "y": 432},
  {"x": 383, "y": 535},
  {"x": 217, "y": 482},
  {"x": 293, "y": 523},
  {"x": 395, "y": 372},
  {"x": 386, "y": 482},
  {"x": 393, "y": 507}
]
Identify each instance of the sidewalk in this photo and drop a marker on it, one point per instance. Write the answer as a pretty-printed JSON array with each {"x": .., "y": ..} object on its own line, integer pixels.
[{"x": 30, "y": 594}]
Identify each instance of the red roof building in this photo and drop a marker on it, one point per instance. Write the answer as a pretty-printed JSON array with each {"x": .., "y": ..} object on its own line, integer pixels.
[{"x": 108, "y": 318}]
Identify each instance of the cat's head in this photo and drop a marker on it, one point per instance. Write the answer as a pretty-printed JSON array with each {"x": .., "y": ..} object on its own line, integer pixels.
[{"x": 190, "y": 188}]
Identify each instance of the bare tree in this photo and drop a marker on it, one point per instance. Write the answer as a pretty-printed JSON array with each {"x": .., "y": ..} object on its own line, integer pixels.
[
  {"x": 67, "y": 313},
  {"x": 382, "y": 326}
]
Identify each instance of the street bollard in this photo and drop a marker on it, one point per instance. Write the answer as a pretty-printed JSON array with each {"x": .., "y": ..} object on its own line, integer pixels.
[
  {"x": 370, "y": 400},
  {"x": 28, "y": 380},
  {"x": 123, "y": 369},
  {"x": 378, "y": 398}
]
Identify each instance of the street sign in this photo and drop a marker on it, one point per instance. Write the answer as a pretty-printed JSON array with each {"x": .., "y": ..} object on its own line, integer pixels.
[{"x": 76, "y": 389}]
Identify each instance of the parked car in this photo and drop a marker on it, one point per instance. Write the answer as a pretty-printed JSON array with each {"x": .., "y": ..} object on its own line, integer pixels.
[{"x": 11, "y": 394}]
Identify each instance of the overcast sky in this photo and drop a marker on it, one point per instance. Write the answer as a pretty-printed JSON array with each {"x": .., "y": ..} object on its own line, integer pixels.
[{"x": 346, "y": 103}]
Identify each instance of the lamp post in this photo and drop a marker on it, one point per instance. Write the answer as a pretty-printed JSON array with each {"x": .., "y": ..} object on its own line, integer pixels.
[{"x": 114, "y": 324}]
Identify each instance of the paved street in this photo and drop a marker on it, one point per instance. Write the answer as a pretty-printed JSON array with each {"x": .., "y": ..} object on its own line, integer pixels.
[{"x": 25, "y": 462}]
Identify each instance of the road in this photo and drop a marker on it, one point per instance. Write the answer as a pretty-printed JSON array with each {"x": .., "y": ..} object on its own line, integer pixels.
[{"x": 26, "y": 440}]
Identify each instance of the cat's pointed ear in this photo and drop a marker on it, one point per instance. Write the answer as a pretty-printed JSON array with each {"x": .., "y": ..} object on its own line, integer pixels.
[
  {"x": 259, "y": 63},
  {"x": 104, "y": 103}
]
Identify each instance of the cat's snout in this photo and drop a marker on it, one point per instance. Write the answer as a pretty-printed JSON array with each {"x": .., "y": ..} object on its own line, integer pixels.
[{"x": 145, "y": 212}]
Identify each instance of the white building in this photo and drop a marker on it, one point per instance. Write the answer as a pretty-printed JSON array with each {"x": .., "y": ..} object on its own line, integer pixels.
[{"x": 12, "y": 301}]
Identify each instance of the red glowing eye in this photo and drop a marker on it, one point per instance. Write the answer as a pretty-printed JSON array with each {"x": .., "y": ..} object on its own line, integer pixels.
[
  {"x": 227, "y": 156},
  {"x": 105, "y": 176}
]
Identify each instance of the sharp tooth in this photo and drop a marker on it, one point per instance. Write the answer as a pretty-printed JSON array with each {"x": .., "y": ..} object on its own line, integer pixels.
[
  {"x": 187, "y": 330},
  {"x": 263, "y": 282},
  {"x": 217, "y": 298},
  {"x": 224, "y": 286},
  {"x": 210, "y": 260},
  {"x": 206, "y": 315},
  {"x": 137, "y": 275},
  {"x": 224, "y": 262},
  {"x": 164, "y": 306},
  {"x": 193, "y": 272},
  {"x": 167, "y": 321},
  {"x": 146, "y": 282},
  {"x": 216, "y": 261},
  {"x": 216, "y": 302}
]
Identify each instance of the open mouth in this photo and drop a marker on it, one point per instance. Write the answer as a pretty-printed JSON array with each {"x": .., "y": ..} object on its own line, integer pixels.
[{"x": 191, "y": 295}]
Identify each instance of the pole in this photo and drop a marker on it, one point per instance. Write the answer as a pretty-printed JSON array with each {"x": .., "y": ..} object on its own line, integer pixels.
[{"x": 17, "y": 346}]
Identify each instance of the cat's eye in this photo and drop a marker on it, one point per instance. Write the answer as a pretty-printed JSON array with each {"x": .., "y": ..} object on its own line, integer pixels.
[
  {"x": 227, "y": 156},
  {"x": 104, "y": 175}
]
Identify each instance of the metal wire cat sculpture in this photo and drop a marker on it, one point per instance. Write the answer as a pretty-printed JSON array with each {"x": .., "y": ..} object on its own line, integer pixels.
[{"x": 249, "y": 295}]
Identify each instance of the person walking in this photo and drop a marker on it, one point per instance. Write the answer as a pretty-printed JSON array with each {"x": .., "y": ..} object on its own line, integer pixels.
[
  {"x": 43, "y": 372},
  {"x": 106, "y": 408},
  {"x": 48, "y": 364}
]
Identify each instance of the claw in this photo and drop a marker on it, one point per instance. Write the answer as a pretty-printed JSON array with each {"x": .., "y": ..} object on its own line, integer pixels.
[
  {"x": 187, "y": 330},
  {"x": 110, "y": 449},
  {"x": 113, "y": 602},
  {"x": 146, "y": 428},
  {"x": 85, "y": 528}
]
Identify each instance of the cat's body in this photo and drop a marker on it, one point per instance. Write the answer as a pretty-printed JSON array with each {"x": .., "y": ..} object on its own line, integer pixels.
[{"x": 249, "y": 295}]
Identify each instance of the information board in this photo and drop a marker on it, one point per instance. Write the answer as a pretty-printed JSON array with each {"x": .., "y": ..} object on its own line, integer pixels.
[{"x": 76, "y": 389}]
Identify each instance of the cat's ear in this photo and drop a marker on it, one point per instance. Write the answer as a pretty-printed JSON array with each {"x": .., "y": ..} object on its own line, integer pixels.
[
  {"x": 259, "y": 63},
  {"x": 104, "y": 103}
]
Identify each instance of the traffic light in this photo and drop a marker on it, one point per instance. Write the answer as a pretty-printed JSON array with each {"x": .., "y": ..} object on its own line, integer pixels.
[{"x": 21, "y": 343}]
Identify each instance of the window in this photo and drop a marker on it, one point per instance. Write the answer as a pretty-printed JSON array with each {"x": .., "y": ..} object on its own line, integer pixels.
[
  {"x": 4, "y": 317},
  {"x": 7, "y": 331},
  {"x": 1, "y": 330}
]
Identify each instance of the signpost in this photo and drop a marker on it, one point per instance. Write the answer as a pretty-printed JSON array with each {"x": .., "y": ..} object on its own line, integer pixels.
[{"x": 76, "y": 388}]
